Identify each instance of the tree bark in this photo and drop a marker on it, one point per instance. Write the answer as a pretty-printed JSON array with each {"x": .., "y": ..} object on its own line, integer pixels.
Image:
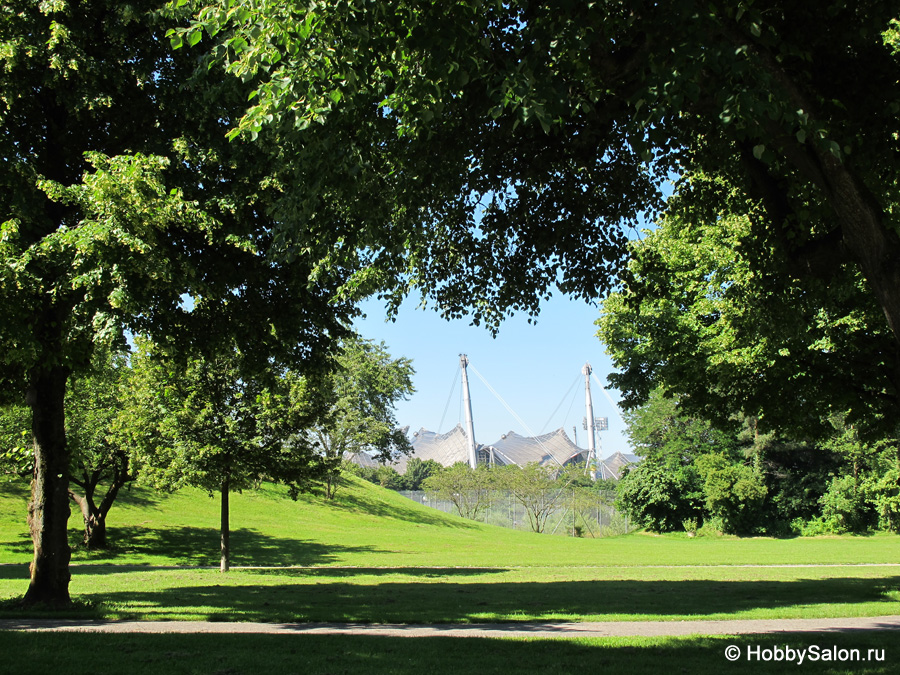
[
  {"x": 224, "y": 529},
  {"x": 48, "y": 511},
  {"x": 95, "y": 516},
  {"x": 94, "y": 521}
]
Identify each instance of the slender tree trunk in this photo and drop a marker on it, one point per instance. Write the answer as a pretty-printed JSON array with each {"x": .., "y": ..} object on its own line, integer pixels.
[
  {"x": 224, "y": 528},
  {"x": 95, "y": 515},
  {"x": 48, "y": 511},
  {"x": 94, "y": 519}
]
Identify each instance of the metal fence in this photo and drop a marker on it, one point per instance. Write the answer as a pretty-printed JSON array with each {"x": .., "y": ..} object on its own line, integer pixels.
[{"x": 579, "y": 513}]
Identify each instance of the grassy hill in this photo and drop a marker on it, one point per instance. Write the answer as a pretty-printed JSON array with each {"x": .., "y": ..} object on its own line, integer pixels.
[
  {"x": 373, "y": 556},
  {"x": 367, "y": 526}
]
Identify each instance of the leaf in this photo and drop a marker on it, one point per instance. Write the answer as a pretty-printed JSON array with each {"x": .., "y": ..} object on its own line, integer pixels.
[{"x": 758, "y": 151}]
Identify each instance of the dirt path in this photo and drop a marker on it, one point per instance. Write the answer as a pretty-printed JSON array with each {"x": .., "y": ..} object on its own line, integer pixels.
[{"x": 492, "y": 630}]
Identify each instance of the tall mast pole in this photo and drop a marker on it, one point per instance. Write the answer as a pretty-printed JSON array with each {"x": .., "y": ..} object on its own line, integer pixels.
[
  {"x": 589, "y": 415},
  {"x": 470, "y": 426}
]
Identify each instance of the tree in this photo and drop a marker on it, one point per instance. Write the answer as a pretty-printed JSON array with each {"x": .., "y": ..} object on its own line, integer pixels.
[
  {"x": 703, "y": 316},
  {"x": 418, "y": 471},
  {"x": 364, "y": 390},
  {"x": 98, "y": 457},
  {"x": 573, "y": 116},
  {"x": 470, "y": 490},
  {"x": 734, "y": 493},
  {"x": 665, "y": 489},
  {"x": 99, "y": 452},
  {"x": 119, "y": 198},
  {"x": 220, "y": 427},
  {"x": 658, "y": 498},
  {"x": 536, "y": 488}
]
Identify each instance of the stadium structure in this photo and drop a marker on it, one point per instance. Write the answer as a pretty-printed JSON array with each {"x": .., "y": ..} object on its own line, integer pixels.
[{"x": 553, "y": 449}]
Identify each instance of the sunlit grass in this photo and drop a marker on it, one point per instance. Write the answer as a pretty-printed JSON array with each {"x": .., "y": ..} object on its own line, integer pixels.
[
  {"x": 370, "y": 527},
  {"x": 374, "y": 556}
]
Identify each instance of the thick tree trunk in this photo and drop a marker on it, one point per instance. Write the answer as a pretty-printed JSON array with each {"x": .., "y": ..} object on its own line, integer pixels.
[
  {"x": 48, "y": 511},
  {"x": 224, "y": 528}
]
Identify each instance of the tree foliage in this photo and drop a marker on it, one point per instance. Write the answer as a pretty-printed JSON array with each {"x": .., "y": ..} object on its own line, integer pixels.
[
  {"x": 469, "y": 490},
  {"x": 101, "y": 455},
  {"x": 100, "y": 459},
  {"x": 537, "y": 488},
  {"x": 119, "y": 197},
  {"x": 741, "y": 481},
  {"x": 558, "y": 123},
  {"x": 703, "y": 315},
  {"x": 219, "y": 426},
  {"x": 364, "y": 389}
]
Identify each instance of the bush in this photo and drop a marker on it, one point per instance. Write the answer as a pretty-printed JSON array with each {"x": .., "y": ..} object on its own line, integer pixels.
[
  {"x": 848, "y": 506},
  {"x": 658, "y": 496}
]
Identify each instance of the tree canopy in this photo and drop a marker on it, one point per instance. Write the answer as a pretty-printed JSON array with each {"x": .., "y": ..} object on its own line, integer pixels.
[
  {"x": 120, "y": 197},
  {"x": 216, "y": 425},
  {"x": 556, "y": 124},
  {"x": 362, "y": 393},
  {"x": 704, "y": 316}
]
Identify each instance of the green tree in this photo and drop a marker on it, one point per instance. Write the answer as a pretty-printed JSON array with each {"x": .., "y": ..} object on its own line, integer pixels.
[
  {"x": 660, "y": 497},
  {"x": 365, "y": 387},
  {"x": 703, "y": 317},
  {"x": 536, "y": 488},
  {"x": 558, "y": 123},
  {"x": 219, "y": 426},
  {"x": 666, "y": 488},
  {"x": 417, "y": 471},
  {"x": 119, "y": 197},
  {"x": 100, "y": 454},
  {"x": 99, "y": 461},
  {"x": 469, "y": 490},
  {"x": 733, "y": 492}
]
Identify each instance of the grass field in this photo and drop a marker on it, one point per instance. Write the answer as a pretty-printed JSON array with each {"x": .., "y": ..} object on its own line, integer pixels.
[
  {"x": 374, "y": 556},
  {"x": 361, "y": 655}
]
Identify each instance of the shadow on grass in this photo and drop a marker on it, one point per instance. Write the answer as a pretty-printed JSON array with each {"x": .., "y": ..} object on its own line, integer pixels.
[
  {"x": 197, "y": 546},
  {"x": 152, "y": 654},
  {"x": 355, "y": 502},
  {"x": 22, "y": 546},
  {"x": 442, "y": 601},
  {"x": 14, "y": 571},
  {"x": 342, "y": 572}
]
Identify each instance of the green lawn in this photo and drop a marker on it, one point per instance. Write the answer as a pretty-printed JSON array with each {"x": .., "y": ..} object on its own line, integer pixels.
[
  {"x": 276, "y": 655},
  {"x": 371, "y": 527},
  {"x": 374, "y": 556}
]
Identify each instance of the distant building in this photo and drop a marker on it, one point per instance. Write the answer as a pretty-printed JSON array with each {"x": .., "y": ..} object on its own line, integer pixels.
[{"x": 554, "y": 449}]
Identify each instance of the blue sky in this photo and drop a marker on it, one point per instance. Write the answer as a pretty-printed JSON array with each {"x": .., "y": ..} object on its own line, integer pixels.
[{"x": 531, "y": 366}]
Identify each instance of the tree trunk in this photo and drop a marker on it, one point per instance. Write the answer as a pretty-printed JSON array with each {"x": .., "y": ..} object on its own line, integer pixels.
[
  {"x": 94, "y": 519},
  {"x": 224, "y": 529},
  {"x": 48, "y": 511},
  {"x": 95, "y": 516}
]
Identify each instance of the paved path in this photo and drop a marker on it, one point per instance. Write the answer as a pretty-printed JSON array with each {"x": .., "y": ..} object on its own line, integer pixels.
[{"x": 493, "y": 630}]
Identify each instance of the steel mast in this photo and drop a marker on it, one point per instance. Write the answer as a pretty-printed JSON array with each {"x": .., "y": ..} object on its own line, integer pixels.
[
  {"x": 589, "y": 418},
  {"x": 470, "y": 426}
]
